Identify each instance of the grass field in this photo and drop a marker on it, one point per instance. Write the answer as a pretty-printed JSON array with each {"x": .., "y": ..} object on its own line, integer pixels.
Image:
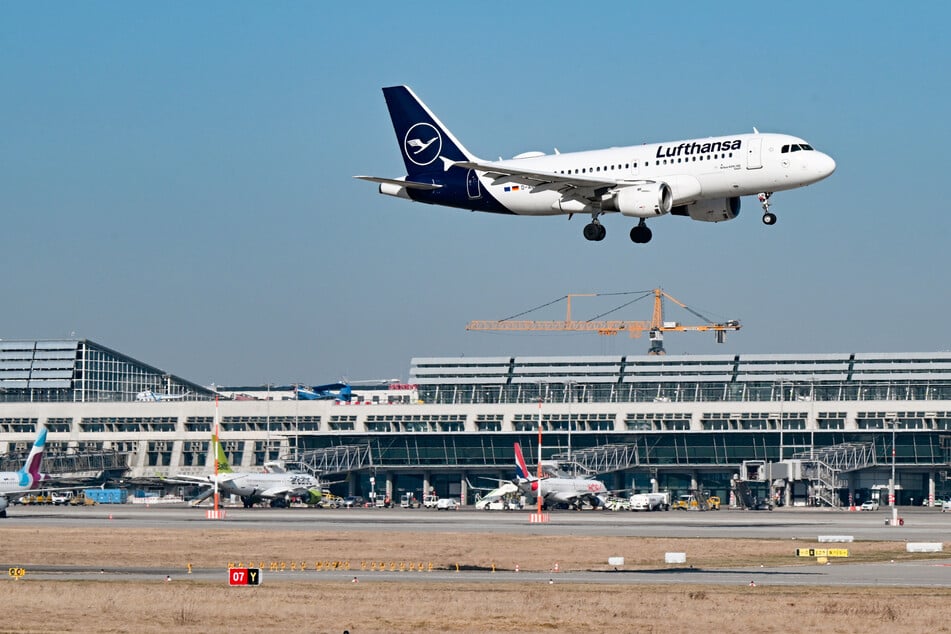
[{"x": 372, "y": 605}]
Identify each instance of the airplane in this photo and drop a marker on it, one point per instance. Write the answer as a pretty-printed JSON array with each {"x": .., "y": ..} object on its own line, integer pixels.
[
  {"x": 331, "y": 391},
  {"x": 702, "y": 179},
  {"x": 15, "y": 484},
  {"x": 152, "y": 396},
  {"x": 556, "y": 490},
  {"x": 277, "y": 487}
]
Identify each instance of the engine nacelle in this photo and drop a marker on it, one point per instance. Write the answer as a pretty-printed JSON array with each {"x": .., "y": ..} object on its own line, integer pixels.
[
  {"x": 640, "y": 201},
  {"x": 716, "y": 210},
  {"x": 311, "y": 496}
]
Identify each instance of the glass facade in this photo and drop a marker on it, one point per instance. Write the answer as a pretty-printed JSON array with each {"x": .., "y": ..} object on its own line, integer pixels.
[{"x": 82, "y": 371}]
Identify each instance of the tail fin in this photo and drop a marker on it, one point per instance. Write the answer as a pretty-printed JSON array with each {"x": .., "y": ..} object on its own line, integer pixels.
[
  {"x": 422, "y": 137},
  {"x": 223, "y": 466},
  {"x": 521, "y": 469},
  {"x": 346, "y": 393},
  {"x": 30, "y": 471}
]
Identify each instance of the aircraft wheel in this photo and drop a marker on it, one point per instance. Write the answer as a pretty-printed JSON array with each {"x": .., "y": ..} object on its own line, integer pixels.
[
  {"x": 594, "y": 231},
  {"x": 641, "y": 234},
  {"x": 769, "y": 218}
]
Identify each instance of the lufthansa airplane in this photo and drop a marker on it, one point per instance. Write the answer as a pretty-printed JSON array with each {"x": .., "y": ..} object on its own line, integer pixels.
[{"x": 702, "y": 179}]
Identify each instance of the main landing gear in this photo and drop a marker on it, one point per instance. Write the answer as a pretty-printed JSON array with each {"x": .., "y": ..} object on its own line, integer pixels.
[
  {"x": 594, "y": 230},
  {"x": 769, "y": 218},
  {"x": 641, "y": 234}
]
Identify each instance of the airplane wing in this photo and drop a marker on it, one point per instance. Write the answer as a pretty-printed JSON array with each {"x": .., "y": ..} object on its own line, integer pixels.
[{"x": 399, "y": 182}]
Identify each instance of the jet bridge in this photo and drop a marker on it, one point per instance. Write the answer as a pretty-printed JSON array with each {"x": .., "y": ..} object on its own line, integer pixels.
[
  {"x": 88, "y": 464},
  {"x": 602, "y": 459},
  {"x": 332, "y": 460},
  {"x": 822, "y": 468}
]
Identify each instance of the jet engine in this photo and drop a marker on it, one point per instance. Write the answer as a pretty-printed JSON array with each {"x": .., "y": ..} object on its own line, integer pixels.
[
  {"x": 716, "y": 210},
  {"x": 311, "y": 496},
  {"x": 640, "y": 201}
]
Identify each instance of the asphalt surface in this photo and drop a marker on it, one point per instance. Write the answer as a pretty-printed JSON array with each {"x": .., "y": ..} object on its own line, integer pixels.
[{"x": 920, "y": 525}]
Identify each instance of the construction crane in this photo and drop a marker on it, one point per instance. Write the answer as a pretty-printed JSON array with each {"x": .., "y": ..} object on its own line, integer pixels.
[{"x": 655, "y": 328}]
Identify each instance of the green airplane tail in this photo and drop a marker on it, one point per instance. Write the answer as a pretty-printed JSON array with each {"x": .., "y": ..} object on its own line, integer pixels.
[{"x": 223, "y": 466}]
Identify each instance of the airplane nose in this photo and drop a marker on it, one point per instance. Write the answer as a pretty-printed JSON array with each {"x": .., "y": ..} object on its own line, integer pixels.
[{"x": 825, "y": 165}]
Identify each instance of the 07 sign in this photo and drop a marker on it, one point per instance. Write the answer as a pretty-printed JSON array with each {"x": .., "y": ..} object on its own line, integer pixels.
[{"x": 244, "y": 576}]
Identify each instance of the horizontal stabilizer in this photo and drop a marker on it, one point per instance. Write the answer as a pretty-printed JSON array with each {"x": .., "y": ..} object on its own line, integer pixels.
[{"x": 399, "y": 182}]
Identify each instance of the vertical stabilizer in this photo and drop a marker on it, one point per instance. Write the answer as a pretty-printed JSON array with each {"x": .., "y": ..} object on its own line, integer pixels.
[
  {"x": 422, "y": 137},
  {"x": 30, "y": 472},
  {"x": 223, "y": 465}
]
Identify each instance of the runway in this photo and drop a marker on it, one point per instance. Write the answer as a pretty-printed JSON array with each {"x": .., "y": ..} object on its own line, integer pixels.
[{"x": 920, "y": 525}]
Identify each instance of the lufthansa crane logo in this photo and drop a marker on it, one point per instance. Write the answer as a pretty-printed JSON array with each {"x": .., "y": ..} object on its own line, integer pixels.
[{"x": 422, "y": 144}]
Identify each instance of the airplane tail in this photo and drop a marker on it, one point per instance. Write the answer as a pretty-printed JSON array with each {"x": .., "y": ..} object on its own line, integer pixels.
[
  {"x": 346, "y": 393},
  {"x": 223, "y": 465},
  {"x": 30, "y": 471},
  {"x": 521, "y": 468},
  {"x": 422, "y": 137}
]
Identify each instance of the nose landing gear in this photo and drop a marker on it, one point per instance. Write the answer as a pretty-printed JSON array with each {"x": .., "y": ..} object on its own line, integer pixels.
[{"x": 769, "y": 218}]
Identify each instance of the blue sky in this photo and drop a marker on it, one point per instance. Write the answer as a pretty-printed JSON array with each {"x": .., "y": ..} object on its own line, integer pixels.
[{"x": 176, "y": 178}]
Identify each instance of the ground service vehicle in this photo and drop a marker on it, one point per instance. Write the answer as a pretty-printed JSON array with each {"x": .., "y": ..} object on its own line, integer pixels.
[
  {"x": 429, "y": 501},
  {"x": 447, "y": 504},
  {"x": 650, "y": 502}
]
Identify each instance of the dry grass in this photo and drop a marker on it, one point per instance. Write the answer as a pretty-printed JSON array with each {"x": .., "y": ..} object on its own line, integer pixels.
[
  {"x": 393, "y": 607},
  {"x": 217, "y": 548},
  {"x": 420, "y": 606}
]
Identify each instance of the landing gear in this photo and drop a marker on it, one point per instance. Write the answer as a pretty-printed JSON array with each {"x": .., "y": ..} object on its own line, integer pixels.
[
  {"x": 641, "y": 234},
  {"x": 594, "y": 231},
  {"x": 768, "y": 217}
]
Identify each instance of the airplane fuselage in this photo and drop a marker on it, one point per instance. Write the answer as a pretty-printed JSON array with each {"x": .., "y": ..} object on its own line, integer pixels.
[
  {"x": 256, "y": 484},
  {"x": 695, "y": 169}
]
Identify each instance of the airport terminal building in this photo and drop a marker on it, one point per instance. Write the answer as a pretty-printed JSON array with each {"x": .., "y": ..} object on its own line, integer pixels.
[{"x": 823, "y": 429}]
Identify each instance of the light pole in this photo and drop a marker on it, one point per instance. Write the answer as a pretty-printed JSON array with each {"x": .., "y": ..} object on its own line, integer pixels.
[
  {"x": 891, "y": 482},
  {"x": 571, "y": 397}
]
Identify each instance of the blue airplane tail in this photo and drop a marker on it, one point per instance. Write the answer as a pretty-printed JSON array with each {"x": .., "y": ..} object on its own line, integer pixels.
[{"x": 422, "y": 137}]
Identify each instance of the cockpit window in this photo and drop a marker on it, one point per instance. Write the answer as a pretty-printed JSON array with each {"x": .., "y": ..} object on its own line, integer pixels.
[{"x": 795, "y": 147}]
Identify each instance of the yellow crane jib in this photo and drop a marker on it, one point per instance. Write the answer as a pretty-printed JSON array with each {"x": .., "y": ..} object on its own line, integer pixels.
[{"x": 655, "y": 327}]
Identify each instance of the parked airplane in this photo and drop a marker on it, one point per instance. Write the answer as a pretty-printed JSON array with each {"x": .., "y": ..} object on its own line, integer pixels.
[
  {"x": 277, "y": 487},
  {"x": 702, "y": 179},
  {"x": 558, "y": 491},
  {"x": 153, "y": 396},
  {"x": 15, "y": 484},
  {"x": 331, "y": 391}
]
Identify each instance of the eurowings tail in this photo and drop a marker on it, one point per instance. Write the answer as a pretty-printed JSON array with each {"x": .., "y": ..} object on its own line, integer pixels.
[
  {"x": 29, "y": 473},
  {"x": 422, "y": 137}
]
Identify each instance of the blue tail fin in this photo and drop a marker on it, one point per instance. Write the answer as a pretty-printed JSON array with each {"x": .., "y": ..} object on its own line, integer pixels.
[{"x": 422, "y": 137}]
